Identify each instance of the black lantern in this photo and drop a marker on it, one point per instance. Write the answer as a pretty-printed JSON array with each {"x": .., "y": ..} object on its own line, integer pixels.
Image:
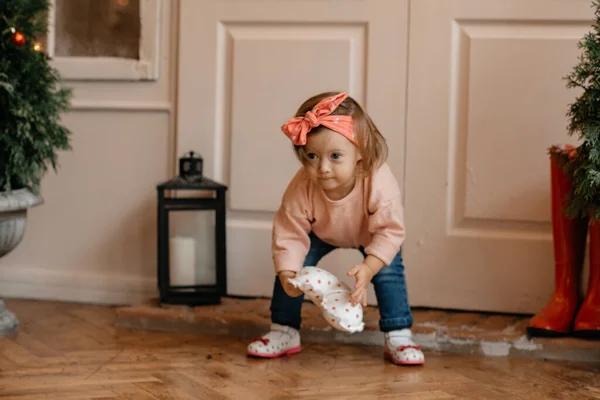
[
  {"x": 190, "y": 167},
  {"x": 190, "y": 179}
]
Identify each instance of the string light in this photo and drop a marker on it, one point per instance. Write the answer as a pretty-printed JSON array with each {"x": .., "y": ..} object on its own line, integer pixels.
[{"x": 37, "y": 46}]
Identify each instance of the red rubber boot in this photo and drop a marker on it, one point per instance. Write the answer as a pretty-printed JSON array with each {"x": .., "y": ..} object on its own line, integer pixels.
[
  {"x": 587, "y": 323},
  {"x": 569, "y": 239}
]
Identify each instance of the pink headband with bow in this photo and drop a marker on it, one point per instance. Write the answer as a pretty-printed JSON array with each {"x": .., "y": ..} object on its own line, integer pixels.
[{"x": 297, "y": 128}]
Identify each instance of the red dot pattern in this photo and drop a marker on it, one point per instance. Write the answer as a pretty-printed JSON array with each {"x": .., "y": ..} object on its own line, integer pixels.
[{"x": 316, "y": 286}]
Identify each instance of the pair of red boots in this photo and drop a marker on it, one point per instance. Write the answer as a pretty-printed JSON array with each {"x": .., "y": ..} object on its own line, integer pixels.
[{"x": 566, "y": 313}]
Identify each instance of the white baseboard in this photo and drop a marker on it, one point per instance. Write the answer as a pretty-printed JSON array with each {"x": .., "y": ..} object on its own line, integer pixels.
[{"x": 74, "y": 286}]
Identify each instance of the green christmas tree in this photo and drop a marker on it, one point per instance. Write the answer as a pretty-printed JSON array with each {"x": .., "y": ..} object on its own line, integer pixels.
[
  {"x": 583, "y": 164},
  {"x": 31, "y": 99}
]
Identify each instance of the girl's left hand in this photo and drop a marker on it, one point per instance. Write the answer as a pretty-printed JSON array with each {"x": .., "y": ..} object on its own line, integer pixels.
[{"x": 363, "y": 274}]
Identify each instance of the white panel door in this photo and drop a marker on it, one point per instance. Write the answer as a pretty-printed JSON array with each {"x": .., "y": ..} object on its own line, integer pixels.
[
  {"x": 486, "y": 99},
  {"x": 245, "y": 66}
]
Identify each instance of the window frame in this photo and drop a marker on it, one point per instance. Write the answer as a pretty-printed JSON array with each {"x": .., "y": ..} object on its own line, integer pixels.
[{"x": 114, "y": 68}]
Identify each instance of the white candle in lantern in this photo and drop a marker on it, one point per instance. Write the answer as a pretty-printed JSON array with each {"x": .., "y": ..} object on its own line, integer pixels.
[{"x": 182, "y": 260}]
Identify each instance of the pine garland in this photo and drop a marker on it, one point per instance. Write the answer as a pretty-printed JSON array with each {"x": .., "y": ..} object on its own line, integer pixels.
[
  {"x": 31, "y": 99},
  {"x": 583, "y": 165}
]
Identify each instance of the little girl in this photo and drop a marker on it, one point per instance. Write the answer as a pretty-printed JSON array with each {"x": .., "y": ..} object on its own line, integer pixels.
[{"x": 343, "y": 196}]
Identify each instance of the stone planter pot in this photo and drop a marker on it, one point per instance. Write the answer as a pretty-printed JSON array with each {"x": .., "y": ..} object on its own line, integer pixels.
[
  {"x": 13, "y": 221},
  {"x": 13, "y": 217}
]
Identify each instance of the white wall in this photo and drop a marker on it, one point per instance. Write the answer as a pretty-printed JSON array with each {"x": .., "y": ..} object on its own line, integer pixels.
[
  {"x": 94, "y": 238},
  {"x": 466, "y": 113}
]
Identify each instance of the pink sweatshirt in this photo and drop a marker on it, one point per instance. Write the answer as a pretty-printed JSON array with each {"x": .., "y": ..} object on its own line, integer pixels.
[{"x": 371, "y": 216}]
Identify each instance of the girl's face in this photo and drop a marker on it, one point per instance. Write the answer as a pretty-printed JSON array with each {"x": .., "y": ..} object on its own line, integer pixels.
[{"x": 332, "y": 161}]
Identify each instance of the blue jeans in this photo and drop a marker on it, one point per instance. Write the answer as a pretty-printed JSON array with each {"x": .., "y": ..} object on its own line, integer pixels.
[{"x": 390, "y": 290}]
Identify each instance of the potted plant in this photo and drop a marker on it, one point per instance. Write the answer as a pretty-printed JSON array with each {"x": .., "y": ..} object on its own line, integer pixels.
[
  {"x": 575, "y": 173},
  {"x": 31, "y": 134}
]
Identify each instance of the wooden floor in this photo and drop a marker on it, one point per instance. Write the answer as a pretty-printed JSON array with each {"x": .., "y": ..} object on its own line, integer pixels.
[
  {"x": 68, "y": 351},
  {"x": 449, "y": 331}
]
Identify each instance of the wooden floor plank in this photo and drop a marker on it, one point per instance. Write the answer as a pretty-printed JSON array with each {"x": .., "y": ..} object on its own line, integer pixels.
[
  {"x": 132, "y": 392},
  {"x": 94, "y": 394},
  {"x": 71, "y": 351}
]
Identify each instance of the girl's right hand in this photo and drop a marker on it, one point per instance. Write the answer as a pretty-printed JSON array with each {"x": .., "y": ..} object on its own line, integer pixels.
[{"x": 288, "y": 288}]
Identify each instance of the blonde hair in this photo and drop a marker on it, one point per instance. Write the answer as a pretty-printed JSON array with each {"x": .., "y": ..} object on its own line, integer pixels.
[{"x": 371, "y": 143}]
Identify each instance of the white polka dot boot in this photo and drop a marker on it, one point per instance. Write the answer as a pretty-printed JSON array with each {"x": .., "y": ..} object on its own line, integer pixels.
[
  {"x": 401, "y": 350},
  {"x": 281, "y": 341}
]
